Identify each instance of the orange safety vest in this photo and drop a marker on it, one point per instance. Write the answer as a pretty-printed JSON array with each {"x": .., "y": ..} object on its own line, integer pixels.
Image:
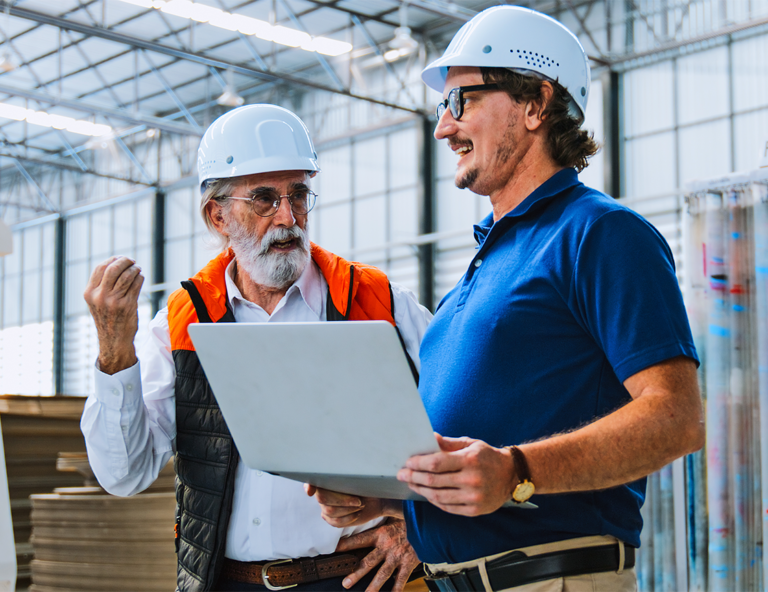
[{"x": 206, "y": 456}]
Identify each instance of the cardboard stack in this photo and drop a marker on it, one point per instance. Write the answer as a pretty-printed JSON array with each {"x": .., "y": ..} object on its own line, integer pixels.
[
  {"x": 103, "y": 543},
  {"x": 35, "y": 430}
]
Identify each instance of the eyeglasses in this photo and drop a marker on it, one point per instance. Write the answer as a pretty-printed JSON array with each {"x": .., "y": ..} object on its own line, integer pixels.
[
  {"x": 266, "y": 203},
  {"x": 455, "y": 100}
]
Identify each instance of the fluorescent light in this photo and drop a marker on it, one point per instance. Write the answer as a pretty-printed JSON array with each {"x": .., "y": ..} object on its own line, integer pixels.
[
  {"x": 44, "y": 119},
  {"x": 40, "y": 118},
  {"x": 225, "y": 20},
  {"x": 12, "y": 112},
  {"x": 290, "y": 37},
  {"x": 182, "y": 8},
  {"x": 203, "y": 13},
  {"x": 330, "y": 47},
  {"x": 251, "y": 26},
  {"x": 60, "y": 121}
]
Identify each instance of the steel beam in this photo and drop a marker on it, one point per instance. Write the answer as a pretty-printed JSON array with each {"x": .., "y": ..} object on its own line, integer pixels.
[
  {"x": 613, "y": 133},
  {"x": 129, "y": 40},
  {"x": 59, "y": 279},
  {"x": 427, "y": 174},
  {"x": 67, "y": 167},
  {"x": 40, "y": 193},
  {"x": 158, "y": 250},
  {"x": 148, "y": 120}
]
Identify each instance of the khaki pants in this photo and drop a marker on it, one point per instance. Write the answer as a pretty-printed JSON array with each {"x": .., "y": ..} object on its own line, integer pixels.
[{"x": 623, "y": 580}]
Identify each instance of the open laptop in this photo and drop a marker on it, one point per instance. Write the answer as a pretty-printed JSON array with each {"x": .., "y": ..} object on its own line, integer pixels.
[{"x": 333, "y": 404}]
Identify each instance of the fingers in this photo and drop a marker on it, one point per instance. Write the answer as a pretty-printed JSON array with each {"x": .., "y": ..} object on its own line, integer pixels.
[
  {"x": 448, "y": 444},
  {"x": 310, "y": 489},
  {"x": 385, "y": 572},
  {"x": 98, "y": 273},
  {"x": 334, "y": 498},
  {"x": 367, "y": 538},
  {"x": 367, "y": 563},
  {"x": 113, "y": 274}
]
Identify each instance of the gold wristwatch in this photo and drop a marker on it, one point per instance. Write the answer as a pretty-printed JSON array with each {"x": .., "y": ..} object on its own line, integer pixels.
[{"x": 525, "y": 487}]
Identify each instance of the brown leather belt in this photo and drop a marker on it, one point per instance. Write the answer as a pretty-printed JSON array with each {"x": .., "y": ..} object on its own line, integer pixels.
[{"x": 285, "y": 573}]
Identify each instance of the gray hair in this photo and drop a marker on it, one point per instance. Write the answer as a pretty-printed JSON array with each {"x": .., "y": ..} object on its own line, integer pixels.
[{"x": 214, "y": 190}]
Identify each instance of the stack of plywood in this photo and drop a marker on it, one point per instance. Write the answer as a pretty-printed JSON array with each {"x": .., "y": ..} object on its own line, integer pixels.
[
  {"x": 85, "y": 542},
  {"x": 35, "y": 430}
]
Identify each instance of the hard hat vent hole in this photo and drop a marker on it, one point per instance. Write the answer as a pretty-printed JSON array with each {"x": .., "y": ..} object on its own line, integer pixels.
[
  {"x": 487, "y": 49},
  {"x": 229, "y": 159},
  {"x": 531, "y": 58},
  {"x": 583, "y": 91}
]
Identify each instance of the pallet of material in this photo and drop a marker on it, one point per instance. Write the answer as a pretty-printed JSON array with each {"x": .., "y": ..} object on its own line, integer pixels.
[
  {"x": 35, "y": 430},
  {"x": 103, "y": 543}
]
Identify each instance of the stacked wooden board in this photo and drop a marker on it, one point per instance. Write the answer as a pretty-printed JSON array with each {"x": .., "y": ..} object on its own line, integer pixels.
[
  {"x": 35, "y": 430},
  {"x": 86, "y": 542}
]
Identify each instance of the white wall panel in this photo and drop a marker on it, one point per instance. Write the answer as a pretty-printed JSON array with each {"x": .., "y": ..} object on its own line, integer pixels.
[
  {"x": 705, "y": 151},
  {"x": 750, "y": 138},
  {"x": 648, "y": 99},
  {"x": 750, "y": 73},
  {"x": 370, "y": 172},
  {"x": 650, "y": 165},
  {"x": 702, "y": 81}
]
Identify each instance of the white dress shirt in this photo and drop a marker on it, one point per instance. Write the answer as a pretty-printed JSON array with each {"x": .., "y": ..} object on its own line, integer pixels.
[{"x": 129, "y": 425}]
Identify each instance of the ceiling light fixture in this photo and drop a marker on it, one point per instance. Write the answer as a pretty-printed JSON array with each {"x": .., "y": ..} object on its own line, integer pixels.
[
  {"x": 246, "y": 25},
  {"x": 41, "y": 118},
  {"x": 402, "y": 39},
  {"x": 7, "y": 63},
  {"x": 230, "y": 98}
]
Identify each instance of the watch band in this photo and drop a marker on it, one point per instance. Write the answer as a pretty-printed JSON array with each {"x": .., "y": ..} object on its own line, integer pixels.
[{"x": 525, "y": 487}]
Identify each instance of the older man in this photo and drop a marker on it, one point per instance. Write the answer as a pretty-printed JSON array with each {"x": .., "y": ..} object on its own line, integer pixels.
[
  {"x": 237, "y": 528},
  {"x": 562, "y": 363}
]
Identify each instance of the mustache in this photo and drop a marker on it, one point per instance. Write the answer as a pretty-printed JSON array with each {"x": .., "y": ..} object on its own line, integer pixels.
[
  {"x": 459, "y": 142},
  {"x": 276, "y": 235}
]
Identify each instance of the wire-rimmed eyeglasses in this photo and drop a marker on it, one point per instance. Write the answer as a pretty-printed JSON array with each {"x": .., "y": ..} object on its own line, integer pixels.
[
  {"x": 266, "y": 203},
  {"x": 455, "y": 100}
]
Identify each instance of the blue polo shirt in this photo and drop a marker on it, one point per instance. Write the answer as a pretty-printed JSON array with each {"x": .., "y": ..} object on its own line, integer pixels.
[{"x": 567, "y": 296}]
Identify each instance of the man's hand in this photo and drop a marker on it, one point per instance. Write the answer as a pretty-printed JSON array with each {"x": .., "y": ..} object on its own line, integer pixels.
[
  {"x": 341, "y": 509},
  {"x": 391, "y": 549},
  {"x": 112, "y": 295},
  {"x": 467, "y": 477}
]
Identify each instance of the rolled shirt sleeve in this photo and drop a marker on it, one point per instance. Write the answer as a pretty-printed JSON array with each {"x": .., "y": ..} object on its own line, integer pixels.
[{"x": 129, "y": 430}]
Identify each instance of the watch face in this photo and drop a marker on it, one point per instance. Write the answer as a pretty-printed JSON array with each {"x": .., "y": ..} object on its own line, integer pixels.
[{"x": 523, "y": 491}]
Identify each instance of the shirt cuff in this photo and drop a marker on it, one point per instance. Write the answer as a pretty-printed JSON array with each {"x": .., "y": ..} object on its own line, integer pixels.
[{"x": 120, "y": 389}]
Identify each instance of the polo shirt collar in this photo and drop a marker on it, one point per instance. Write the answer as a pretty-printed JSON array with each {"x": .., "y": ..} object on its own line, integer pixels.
[{"x": 556, "y": 184}]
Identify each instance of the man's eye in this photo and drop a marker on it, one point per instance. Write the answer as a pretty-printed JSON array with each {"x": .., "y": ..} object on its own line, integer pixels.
[
  {"x": 299, "y": 196},
  {"x": 265, "y": 200}
]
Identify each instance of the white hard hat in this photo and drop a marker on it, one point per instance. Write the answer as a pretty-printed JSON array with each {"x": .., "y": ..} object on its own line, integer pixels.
[
  {"x": 255, "y": 139},
  {"x": 522, "y": 40}
]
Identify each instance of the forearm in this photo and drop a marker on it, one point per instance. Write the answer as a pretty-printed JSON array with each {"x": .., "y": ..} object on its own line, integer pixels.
[
  {"x": 129, "y": 423},
  {"x": 643, "y": 436}
]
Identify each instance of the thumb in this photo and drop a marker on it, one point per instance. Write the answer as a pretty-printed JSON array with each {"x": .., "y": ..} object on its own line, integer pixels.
[
  {"x": 310, "y": 489},
  {"x": 452, "y": 444}
]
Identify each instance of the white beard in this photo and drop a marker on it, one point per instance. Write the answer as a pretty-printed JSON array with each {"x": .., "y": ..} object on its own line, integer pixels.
[{"x": 266, "y": 268}]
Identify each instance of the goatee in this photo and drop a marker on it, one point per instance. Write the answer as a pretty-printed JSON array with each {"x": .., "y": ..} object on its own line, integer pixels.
[{"x": 271, "y": 269}]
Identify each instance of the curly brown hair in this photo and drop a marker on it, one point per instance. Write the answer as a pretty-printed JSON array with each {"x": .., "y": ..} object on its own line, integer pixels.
[{"x": 569, "y": 145}]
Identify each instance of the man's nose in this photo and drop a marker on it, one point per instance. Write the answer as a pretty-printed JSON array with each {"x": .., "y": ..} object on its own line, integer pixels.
[
  {"x": 446, "y": 125},
  {"x": 284, "y": 215}
]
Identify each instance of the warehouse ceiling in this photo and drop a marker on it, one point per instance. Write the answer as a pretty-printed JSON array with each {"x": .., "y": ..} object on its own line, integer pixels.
[{"x": 78, "y": 75}]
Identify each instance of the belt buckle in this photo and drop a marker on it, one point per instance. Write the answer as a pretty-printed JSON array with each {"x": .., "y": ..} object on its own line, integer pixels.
[{"x": 265, "y": 576}]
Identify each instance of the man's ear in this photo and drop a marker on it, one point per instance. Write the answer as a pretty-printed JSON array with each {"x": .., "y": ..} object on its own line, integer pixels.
[
  {"x": 534, "y": 110},
  {"x": 215, "y": 213}
]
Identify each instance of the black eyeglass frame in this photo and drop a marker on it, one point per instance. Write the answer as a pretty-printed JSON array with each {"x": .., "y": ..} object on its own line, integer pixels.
[
  {"x": 455, "y": 100},
  {"x": 278, "y": 199}
]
